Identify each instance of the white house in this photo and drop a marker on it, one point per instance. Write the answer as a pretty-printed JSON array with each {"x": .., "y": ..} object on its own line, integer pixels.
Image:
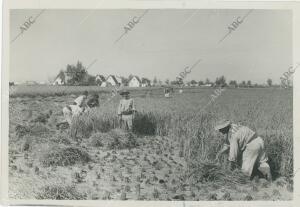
[
  {"x": 29, "y": 83},
  {"x": 61, "y": 79},
  {"x": 119, "y": 79},
  {"x": 110, "y": 80},
  {"x": 146, "y": 82},
  {"x": 99, "y": 79},
  {"x": 135, "y": 82},
  {"x": 208, "y": 85}
]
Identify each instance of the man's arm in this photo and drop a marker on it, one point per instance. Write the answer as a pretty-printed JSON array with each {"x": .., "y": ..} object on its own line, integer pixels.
[
  {"x": 224, "y": 149},
  {"x": 119, "y": 108},
  {"x": 233, "y": 151},
  {"x": 133, "y": 106}
]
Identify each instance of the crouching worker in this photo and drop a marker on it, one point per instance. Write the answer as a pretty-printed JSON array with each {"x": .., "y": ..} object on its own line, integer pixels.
[
  {"x": 242, "y": 142},
  {"x": 76, "y": 108},
  {"x": 126, "y": 111},
  {"x": 92, "y": 102}
]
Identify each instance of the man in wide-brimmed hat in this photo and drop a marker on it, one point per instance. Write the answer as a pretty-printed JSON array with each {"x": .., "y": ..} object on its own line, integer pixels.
[
  {"x": 242, "y": 142},
  {"x": 126, "y": 110}
]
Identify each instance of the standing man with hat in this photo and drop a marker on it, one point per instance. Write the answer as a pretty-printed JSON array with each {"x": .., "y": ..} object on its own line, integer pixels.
[
  {"x": 244, "y": 142},
  {"x": 126, "y": 110}
]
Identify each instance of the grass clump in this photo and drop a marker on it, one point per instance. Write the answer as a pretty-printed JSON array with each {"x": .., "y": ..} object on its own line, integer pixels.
[
  {"x": 114, "y": 139},
  {"x": 64, "y": 156},
  {"x": 211, "y": 172},
  {"x": 60, "y": 192}
]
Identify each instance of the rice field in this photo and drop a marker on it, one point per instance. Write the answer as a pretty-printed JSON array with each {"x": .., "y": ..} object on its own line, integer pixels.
[{"x": 170, "y": 155}]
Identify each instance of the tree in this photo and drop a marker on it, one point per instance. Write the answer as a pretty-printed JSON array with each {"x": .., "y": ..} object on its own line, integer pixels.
[
  {"x": 200, "y": 83},
  {"x": 176, "y": 82},
  {"x": 91, "y": 80},
  {"x": 76, "y": 74},
  {"x": 193, "y": 82},
  {"x": 242, "y": 84},
  {"x": 124, "y": 81},
  {"x": 233, "y": 83},
  {"x": 249, "y": 83},
  {"x": 221, "y": 81},
  {"x": 179, "y": 81},
  {"x": 269, "y": 82}
]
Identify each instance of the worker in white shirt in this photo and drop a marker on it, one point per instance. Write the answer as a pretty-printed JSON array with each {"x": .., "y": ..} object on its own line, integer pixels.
[
  {"x": 75, "y": 109},
  {"x": 126, "y": 111},
  {"x": 243, "y": 142}
]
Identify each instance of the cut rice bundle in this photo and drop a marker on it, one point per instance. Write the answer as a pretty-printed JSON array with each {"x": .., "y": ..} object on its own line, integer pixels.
[{"x": 212, "y": 172}]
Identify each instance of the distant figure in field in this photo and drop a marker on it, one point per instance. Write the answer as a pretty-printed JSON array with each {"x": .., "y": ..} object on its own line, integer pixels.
[
  {"x": 168, "y": 92},
  {"x": 126, "y": 111},
  {"x": 76, "y": 108},
  {"x": 245, "y": 148}
]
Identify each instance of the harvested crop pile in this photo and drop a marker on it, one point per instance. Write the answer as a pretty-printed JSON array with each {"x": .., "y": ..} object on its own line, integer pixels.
[
  {"x": 114, "y": 139},
  {"x": 60, "y": 192},
  {"x": 211, "y": 172},
  {"x": 63, "y": 156},
  {"x": 38, "y": 130},
  {"x": 42, "y": 118}
]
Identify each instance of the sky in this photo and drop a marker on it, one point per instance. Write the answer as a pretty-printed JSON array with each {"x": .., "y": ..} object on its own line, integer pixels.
[{"x": 162, "y": 44}]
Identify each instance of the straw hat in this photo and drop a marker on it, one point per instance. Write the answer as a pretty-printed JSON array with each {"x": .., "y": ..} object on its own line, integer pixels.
[{"x": 222, "y": 124}]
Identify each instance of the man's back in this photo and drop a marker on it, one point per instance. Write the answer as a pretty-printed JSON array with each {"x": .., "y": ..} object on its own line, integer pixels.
[{"x": 242, "y": 134}]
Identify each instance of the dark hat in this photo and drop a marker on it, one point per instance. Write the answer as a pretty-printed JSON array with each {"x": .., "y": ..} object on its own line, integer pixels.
[
  {"x": 85, "y": 92},
  {"x": 125, "y": 92}
]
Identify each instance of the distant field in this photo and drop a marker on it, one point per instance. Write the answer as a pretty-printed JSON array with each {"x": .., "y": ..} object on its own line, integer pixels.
[
  {"x": 49, "y": 90},
  {"x": 46, "y": 90}
]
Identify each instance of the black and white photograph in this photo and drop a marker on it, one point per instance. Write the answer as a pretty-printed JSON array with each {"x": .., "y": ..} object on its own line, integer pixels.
[{"x": 151, "y": 104}]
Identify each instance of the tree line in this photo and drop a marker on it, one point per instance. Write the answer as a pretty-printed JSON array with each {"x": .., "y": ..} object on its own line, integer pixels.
[{"x": 78, "y": 75}]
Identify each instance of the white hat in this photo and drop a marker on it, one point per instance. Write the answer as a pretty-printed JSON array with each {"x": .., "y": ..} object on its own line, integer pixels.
[{"x": 222, "y": 124}]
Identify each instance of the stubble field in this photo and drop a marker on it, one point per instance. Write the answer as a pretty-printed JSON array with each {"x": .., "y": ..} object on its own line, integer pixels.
[{"x": 168, "y": 157}]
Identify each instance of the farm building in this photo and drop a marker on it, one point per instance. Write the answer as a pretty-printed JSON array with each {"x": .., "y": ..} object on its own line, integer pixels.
[
  {"x": 29, "y": 83},
  {"x": 110, "y": 80},
  {"x": 146, "y": 82},
  {"x": 99, "y": 79},
  {"x": 61, "y": 78},
  {"x": 119, "y": 79},
  {"x": 135, "y": 82}
]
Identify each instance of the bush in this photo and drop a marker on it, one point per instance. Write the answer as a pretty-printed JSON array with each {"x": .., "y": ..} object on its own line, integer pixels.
[
  {"x": 60, "y": 192},
  {"x": 64, "y": 156},
  {"x": 99, "y": 139},
  {"x": 144, "y": 123}
]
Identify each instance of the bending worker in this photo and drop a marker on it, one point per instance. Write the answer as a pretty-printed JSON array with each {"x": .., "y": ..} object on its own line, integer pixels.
[
  {"x": 76, "y": 108},
  {"x": 126, "y": 111},
  {"x": 243, "y": 142}
]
